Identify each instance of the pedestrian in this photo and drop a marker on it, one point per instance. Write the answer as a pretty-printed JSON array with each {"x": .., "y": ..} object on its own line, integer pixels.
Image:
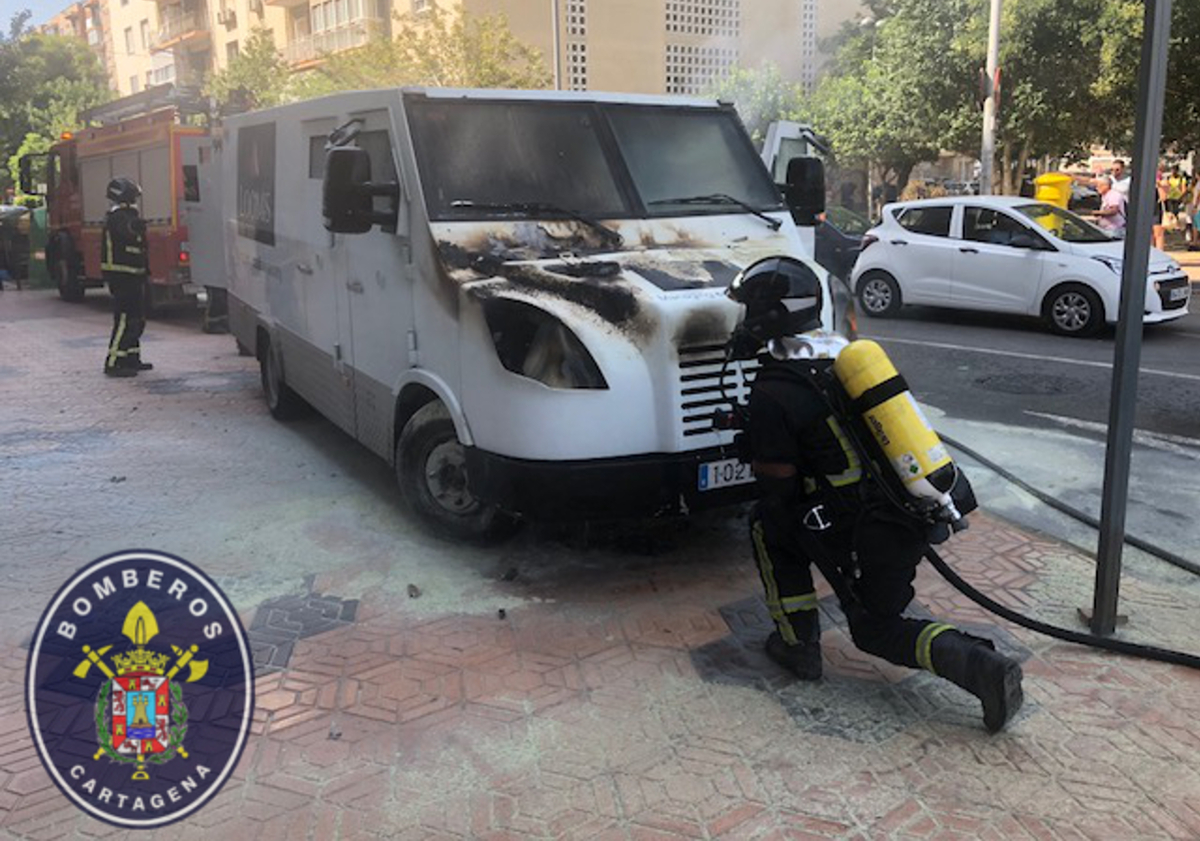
[
  {"x": 1110, "y": 218},
  {"x": 124, "y": 266},
  {"x": 1194, "y": 213},
  {"x": 1159, "y": 237},
  {"x": 1176, "y": 185},
  {"x": 818, "y": 505}
]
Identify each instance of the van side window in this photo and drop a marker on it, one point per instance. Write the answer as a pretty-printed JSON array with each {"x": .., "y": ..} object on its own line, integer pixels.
[
  {"x": 379, "y": 147},
  {"x": 984, "y": 224},
  {"x": 931, "y": 221},
  {"x": 316, "y": 156}
]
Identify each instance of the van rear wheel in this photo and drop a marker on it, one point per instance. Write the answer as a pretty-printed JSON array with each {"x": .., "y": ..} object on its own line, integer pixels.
[
  {"x": 283, "y": 403},
  {"x": 431, "y": 469}
]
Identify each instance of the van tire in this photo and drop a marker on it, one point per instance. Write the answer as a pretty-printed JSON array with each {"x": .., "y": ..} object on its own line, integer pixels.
[
  {"x": 1073, "y": 310},
  {"x": 283, "y": 403},
  {"x": 432, "y": 475},
  {"x": 69, "y": 286},
  {"x": 879, "y": 294}
]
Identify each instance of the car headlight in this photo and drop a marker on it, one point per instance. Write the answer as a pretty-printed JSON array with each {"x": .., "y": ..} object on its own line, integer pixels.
[
  {"x": 533, "y": 343},
  {"x": 1114, "y": 263}
]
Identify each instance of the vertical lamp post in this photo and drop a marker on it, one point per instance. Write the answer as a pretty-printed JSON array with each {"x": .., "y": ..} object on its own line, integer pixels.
[
  {"x": 987, "y": 155},
  {"x": 1152, "y": 85},
  {"x": 554, "y": 23}
]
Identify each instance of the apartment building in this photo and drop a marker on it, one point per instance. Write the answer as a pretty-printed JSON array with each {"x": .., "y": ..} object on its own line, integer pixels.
[
  {"x": 643, "y": 46},
  {"x": 666, "y": 46},
  {"x": 203, "y": 36}
]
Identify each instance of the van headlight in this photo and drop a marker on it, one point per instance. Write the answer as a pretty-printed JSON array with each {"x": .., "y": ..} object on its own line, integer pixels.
[
  {"x": 533, "y": 343},
  {"x": 1114, "y": 263}
]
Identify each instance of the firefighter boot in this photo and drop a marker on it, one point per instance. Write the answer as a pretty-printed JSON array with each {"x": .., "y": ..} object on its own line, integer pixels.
[
  {"x": 802, "y": 655},
  {"x": 974, "y": 665},
  {"x": 120, "y": 372}
]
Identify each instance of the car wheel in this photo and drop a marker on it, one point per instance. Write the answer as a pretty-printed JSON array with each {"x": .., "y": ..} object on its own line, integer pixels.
[
  {"x": 431, "y": 470},
  {"x": 283, "y": 403},
  {"x": 879, "y": 294},
  {"x": 1073, "y": 310},
  {"x": 69, "y": 286}
]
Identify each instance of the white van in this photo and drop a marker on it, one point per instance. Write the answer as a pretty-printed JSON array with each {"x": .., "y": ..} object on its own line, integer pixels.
[{"x": 515, "y": 297}]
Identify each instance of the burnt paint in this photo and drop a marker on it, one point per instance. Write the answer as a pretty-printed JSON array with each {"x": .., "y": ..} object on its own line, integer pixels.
[
  {"x": 722, "y": 273},
  {"x": 602, "y": 269},
  {"x": 703, "y": 327},
  {"x": 672, "y": 275},
  {"x": 615, "y": 303}
]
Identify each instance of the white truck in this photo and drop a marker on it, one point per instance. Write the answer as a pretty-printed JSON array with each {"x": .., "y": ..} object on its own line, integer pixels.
[{"x": 517, "y": 298}]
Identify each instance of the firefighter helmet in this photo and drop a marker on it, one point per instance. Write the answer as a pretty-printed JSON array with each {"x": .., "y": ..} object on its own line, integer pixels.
[
  {"x": 782, "y": 297},
  {"x": 123, "y": 190}
]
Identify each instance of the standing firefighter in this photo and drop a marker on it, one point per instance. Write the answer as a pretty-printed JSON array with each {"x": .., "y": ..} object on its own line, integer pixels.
[
  {"x": 123, "y": 262},
  {"x": 824, "y": 499}
]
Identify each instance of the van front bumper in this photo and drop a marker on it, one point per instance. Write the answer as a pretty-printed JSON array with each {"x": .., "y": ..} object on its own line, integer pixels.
[{"x": 635, "y": 486}]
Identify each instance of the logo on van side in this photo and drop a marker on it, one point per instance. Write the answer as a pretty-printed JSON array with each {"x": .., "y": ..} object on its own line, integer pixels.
[{"x": 256, "y": 183}]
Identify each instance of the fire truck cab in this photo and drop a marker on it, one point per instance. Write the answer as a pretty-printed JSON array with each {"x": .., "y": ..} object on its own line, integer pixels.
[{"x": 142, "y": 137}]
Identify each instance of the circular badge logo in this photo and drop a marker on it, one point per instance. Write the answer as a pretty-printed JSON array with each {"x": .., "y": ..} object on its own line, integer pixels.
[{"x": 140, "y": 689}]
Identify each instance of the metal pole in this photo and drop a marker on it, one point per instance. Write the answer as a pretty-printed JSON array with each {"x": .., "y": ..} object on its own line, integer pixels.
[
  {"x": 1152, "y": 84},
  {"x": 554, "y": 12},
  {"x": 987, "y": 156}
]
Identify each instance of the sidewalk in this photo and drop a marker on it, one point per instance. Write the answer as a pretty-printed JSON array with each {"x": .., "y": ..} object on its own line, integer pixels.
[{"x": 545, "y": 689}]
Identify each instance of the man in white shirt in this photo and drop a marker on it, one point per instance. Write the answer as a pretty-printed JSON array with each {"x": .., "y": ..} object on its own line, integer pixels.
[{"x": 1111, "y": 215}]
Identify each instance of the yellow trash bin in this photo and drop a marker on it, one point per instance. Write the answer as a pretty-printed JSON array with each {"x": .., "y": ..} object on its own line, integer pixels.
[{"x": 1053, "y": 188}]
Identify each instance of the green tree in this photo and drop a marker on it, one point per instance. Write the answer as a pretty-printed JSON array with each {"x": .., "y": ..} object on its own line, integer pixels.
[
  {"x": 761, "y": 96},
  {"x": 256, "y": 77},
  {"x": 45, "y": 82},
  {"x": 1115, "y": 86},
  {"x": 439, "y": 49},
  {"x": 897, "y": 86},
  {"x": 1050, "y": 55}
]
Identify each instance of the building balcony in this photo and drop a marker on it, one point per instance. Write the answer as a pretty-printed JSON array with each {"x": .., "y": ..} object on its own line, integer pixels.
[
  {"x": 311, "y": 49},
  {"x": 285, "y": 4},
  {"x": 189, "y": 29}
]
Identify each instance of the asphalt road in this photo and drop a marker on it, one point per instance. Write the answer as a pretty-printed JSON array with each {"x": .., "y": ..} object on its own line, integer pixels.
[{"x": 1010, "y": 370}]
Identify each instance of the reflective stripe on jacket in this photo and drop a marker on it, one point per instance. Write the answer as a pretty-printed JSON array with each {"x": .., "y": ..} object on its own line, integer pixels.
[{"x": 123, "y": 246}]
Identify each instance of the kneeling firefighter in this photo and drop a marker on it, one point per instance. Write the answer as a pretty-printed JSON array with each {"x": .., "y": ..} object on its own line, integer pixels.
[{"x": 827, "y": 496}]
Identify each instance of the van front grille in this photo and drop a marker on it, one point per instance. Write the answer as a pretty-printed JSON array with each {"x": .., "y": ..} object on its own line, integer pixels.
[{"x": 700, "y": 381}]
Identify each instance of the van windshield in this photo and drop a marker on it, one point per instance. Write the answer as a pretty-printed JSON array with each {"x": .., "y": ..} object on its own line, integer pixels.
[{"x": 596, "y": 159}]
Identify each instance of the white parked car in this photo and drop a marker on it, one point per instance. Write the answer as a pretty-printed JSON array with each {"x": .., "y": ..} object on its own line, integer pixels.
[{"x": 1006, "y": 254}]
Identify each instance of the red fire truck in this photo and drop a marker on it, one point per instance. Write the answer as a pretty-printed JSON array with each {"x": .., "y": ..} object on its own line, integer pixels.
[{"x": 143, "y": 137}]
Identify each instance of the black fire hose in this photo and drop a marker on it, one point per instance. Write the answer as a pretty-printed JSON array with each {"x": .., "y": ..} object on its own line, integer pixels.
[
  {"x": 1147, "y": 652},
  {"x": 1070, "y": 511}
]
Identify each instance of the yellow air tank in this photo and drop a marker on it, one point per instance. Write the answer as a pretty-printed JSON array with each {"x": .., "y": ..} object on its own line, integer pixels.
[{"x": 897, "y": 423}]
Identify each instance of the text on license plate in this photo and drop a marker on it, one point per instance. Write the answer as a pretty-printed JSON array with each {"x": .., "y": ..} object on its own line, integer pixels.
[
  {"x": 724, "y": 473},
  {"x": 1180, "y": 293}
]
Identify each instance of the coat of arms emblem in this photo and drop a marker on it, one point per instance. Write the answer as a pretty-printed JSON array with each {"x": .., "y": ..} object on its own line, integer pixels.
[{"x": 141, "y": 717}]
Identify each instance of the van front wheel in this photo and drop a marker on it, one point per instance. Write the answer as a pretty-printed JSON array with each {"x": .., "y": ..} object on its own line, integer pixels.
[{"x": 431, "y": 469}]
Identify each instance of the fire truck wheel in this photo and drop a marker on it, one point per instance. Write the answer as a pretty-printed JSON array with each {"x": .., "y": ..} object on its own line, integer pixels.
[
  {"x": 431, "y": 470},
  {"x": 283, "y": 403},
  {"x": 69, "y": 287}
]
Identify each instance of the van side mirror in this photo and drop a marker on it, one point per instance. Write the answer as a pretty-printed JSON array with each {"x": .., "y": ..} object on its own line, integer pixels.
[
  {"x": 347, "y": 194},
  {"x": 805, "y": 190}
]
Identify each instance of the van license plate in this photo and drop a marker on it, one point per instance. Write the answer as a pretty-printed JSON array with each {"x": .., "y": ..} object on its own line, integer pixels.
[
  {"x": 723, "y": 474},
  {"x": 1180, "y": 293}
]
